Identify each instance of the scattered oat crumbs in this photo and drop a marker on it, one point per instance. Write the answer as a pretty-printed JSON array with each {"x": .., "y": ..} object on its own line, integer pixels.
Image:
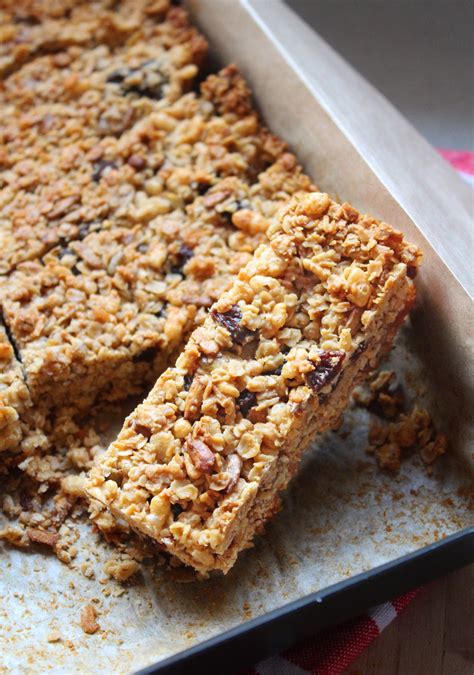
[
  {"x": 54, "y": 636},
  {"x": 121, "y": 569},
  {"x": 88, "y": 620},
  {"x": 406, "y": 432}
]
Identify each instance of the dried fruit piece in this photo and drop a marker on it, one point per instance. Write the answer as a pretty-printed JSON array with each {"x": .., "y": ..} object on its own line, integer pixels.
[
  {"x": 245, "y": 401},
  {"x": 326, "y": 370},
  {"x": 145, "y": 80},
  {"x": 176, "y": 510},
  {"x": 142, "y": 429},
  {"x": 230, "y": 320},
  {"x": 147, "y": 355},
  {"x": 100, "y": 167},
  {"x": 184, "y": 254}
]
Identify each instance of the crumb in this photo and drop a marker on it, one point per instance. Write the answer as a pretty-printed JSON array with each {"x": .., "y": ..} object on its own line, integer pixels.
[
  {"x": 121, "y": 568},
  {"x": 54, "y": 636},
  {"x": 88, "y": 620},
  {"x": 15, "y": 536},
  {"x": 412, "y": 431}
]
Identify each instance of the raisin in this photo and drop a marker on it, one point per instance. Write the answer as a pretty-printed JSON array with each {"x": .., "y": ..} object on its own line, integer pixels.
[
  {"x": 275, "y": 371},
  {"x": 27, "y": 19},
  {"x": 184, "y": 254},
  {"x": 230, "y": 320},
  {"x": 200, "y": 186},
  {"x": 118, "y": 76},
  {"x": 147, "y": 355},
  {"x": 176, "y": 510},
  {"x": 188, "y": 379},
  {"x": 228, "y": 210},
  {"x": 100, "y": 167},
  {"x": 285, "y": 350},
  {"x": 26, "y": 501},
  {"x": 142, "y": 429},
  {"x": 326, "y": 370},
  {"x": 245, "y": 401},
  {"x": 411, "y": 271}
]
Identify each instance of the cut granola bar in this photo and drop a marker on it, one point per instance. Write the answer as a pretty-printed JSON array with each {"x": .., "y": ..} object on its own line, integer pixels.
[{"x": 198, "y": 466}]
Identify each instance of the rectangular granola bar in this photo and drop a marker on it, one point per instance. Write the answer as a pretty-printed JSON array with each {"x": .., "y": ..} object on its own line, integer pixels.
[
  {"x": 199, "y": 465},
  {"x": 107, "y": 313}
]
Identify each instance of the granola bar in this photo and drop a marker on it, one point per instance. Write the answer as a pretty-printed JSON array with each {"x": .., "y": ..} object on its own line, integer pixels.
[
  {"x": 14, "y": 396},
  {"x": 107, "y": 313},
  {"x": 199, "y": 465}
]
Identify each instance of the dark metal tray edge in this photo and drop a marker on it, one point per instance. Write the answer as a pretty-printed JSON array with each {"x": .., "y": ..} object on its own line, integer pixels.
[{"x": 283, "y": 627}]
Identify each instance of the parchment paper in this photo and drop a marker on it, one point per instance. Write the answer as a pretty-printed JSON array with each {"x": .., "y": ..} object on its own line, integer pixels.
[{"x": 341, "y": 516}]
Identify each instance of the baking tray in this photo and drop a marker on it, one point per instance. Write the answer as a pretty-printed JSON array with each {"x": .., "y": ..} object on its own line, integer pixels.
[{"x": 348, "y": 536}]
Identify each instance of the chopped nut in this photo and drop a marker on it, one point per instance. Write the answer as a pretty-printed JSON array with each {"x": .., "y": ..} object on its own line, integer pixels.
[
  {"x": 194, "y": 397},
  {"x": 233, "y": 469},
  {"x": 54, "y": 636},
  {"x": 201, "y": 455}
]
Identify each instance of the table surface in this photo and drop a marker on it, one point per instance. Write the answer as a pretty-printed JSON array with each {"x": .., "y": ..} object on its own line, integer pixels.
[
  {"x": 433, "y": 636},
  {"x": 419, "y": 55}
]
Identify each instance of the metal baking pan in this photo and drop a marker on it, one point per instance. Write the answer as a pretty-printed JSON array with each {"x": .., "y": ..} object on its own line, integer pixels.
[
  {"x": 280, "y": 629},
  {"x": 348, "y": 536}
]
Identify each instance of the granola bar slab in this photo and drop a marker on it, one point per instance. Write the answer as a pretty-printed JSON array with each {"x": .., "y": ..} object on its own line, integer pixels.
[
  {"x": 57, "y": 191},
  {"x": 107, "y": 313},
  {"x": 199, "y": 465}
]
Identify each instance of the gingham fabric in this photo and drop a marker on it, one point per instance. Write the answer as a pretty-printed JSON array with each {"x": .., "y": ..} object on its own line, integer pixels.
[{"x": 332, "y": 651}]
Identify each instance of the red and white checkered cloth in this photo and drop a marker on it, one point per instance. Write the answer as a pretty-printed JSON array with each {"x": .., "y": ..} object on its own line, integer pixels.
[{"x": 333, "y": 650}]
